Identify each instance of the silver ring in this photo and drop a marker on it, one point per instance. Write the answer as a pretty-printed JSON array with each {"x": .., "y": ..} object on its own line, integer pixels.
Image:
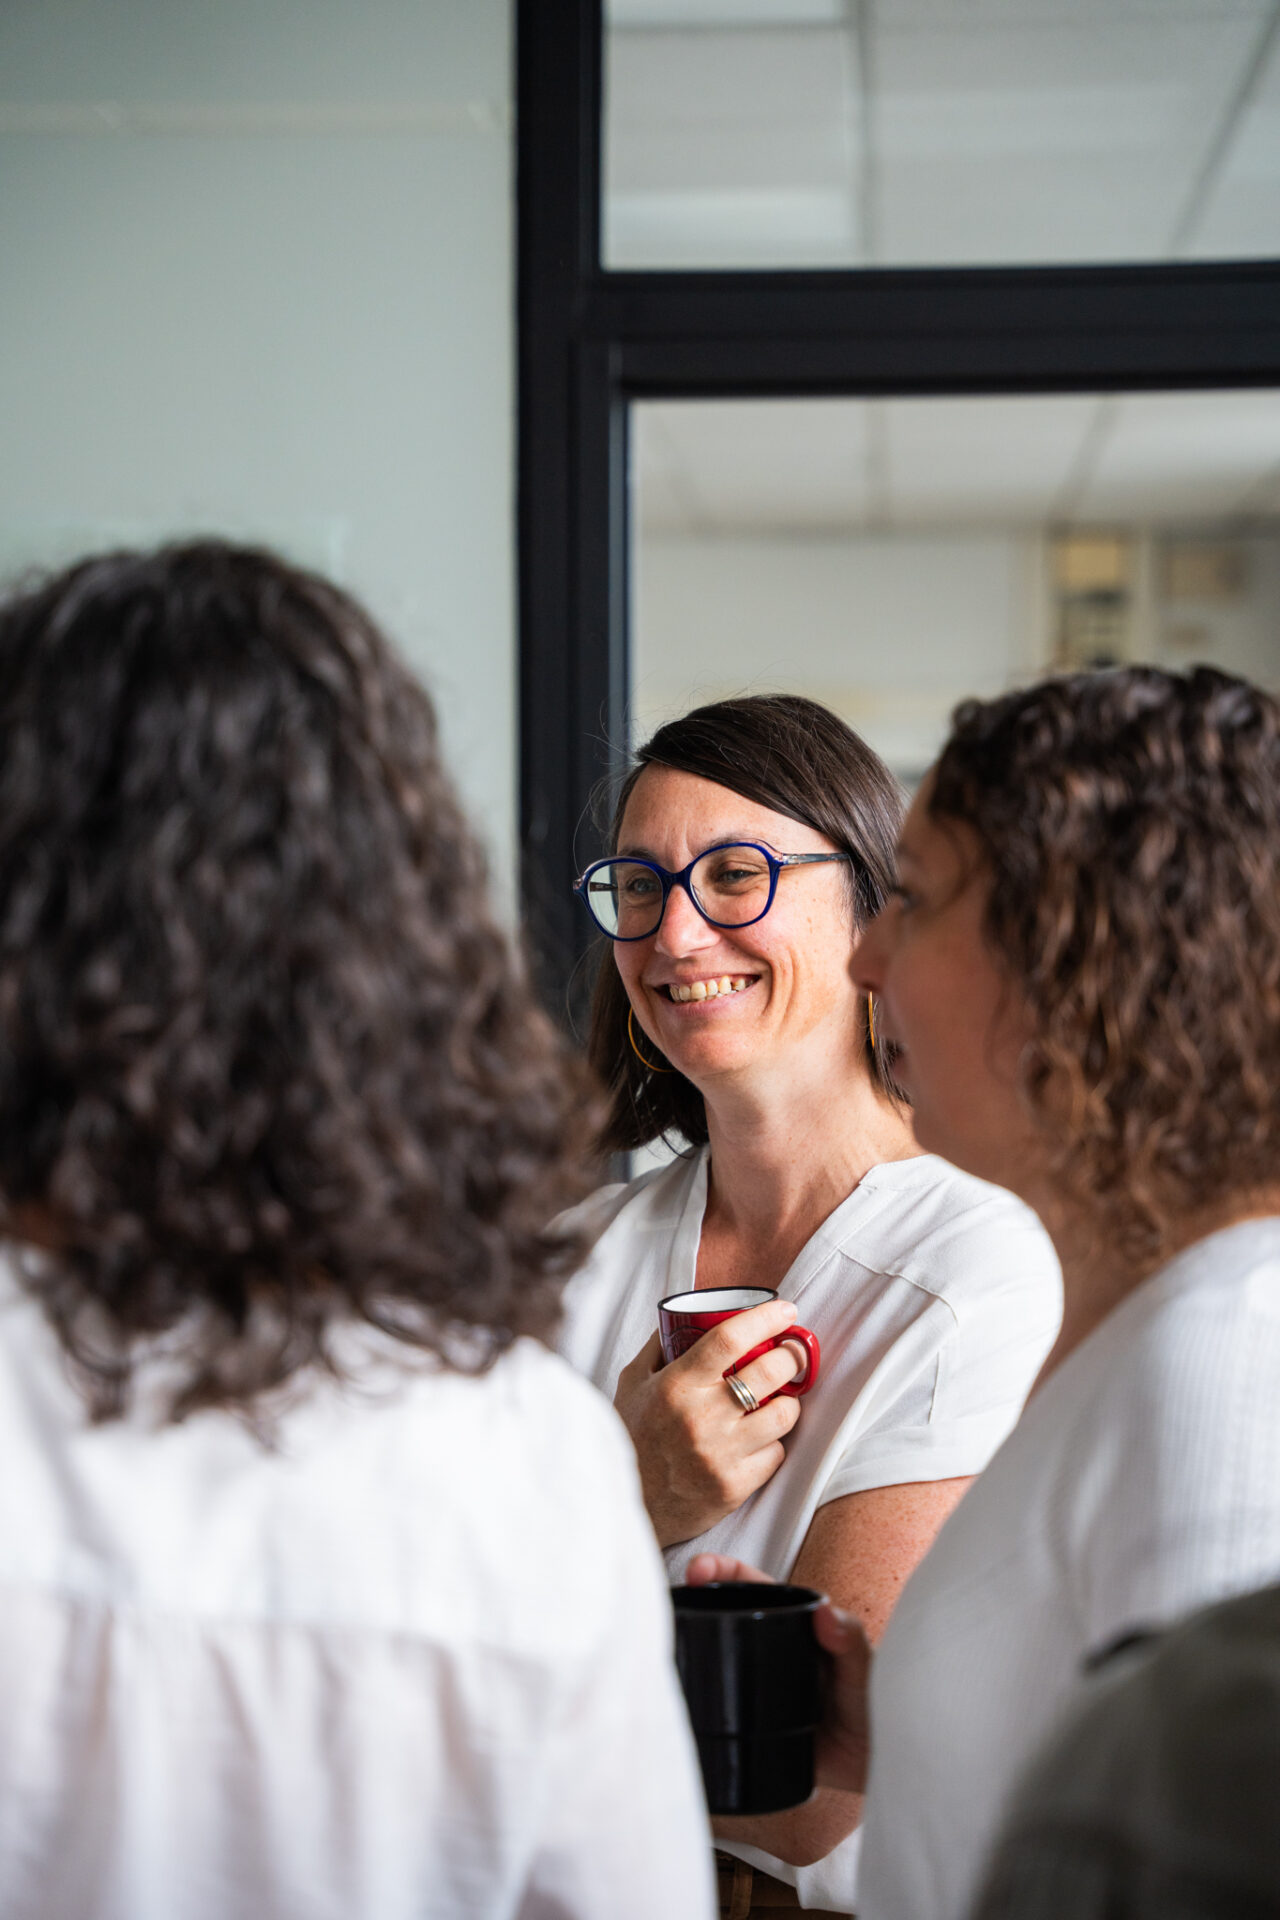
[{"x": 741, "y": 1393}]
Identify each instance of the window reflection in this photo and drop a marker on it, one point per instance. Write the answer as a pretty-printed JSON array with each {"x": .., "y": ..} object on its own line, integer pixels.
[
  {"x": 786, "y": 133},
  {"x": 891, "y": 557}
]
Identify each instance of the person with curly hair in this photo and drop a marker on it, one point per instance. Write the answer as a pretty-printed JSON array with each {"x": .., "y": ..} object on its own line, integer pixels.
[
  {"x": 325, "y": 1588},
  {"x": 1080, "y": 968}
]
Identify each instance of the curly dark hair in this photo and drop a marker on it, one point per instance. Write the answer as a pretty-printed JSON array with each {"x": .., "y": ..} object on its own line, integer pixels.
[
  {"x": 1131, "y": 822},
  {"x": 800, "y": 759},
  {"x": 266, "y": 1061}
]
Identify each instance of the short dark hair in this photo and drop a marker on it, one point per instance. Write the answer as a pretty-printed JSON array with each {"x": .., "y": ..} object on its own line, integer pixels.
[
  {"x": 266, "y": 1061},
  {"x": 1130, "y": 820},
  {"x": 800, "y": 759}
]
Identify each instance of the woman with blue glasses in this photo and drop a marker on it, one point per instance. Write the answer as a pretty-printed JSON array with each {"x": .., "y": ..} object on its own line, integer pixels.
[{"x": 751, "y": 844}]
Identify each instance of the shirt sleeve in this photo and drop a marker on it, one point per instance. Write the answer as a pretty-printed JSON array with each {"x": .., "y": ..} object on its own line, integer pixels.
[
  {"x": 623, "y": 1823},
  {"x": 953, "y": 1393}
]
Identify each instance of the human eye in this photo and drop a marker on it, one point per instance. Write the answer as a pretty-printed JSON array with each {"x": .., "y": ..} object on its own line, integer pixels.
[
  {"x": 734, "y": 870},
  {"x": 639, "y": 884}
]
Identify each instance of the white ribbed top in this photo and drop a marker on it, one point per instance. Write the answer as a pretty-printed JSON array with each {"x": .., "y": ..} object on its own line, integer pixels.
[{"x": 1142, "y": 1481}]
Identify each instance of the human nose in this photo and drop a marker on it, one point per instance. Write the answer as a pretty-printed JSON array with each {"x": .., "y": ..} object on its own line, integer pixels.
[{"x": 683, "y": 928}]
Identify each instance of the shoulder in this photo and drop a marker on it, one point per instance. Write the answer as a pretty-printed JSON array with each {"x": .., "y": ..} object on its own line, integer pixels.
[
  {"x": 957, "y": 1238},
  {"x": 498, "y": 1486},
  {"x": 621, "y": 1221},
  {"x": 1189, "y": 1359},
  {"x": 651, "y": 1197},
  {"x": 529, "y": 1420}
]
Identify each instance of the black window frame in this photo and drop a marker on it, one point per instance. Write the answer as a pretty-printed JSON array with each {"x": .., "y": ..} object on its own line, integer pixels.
[{"x": 591, "y": 341}]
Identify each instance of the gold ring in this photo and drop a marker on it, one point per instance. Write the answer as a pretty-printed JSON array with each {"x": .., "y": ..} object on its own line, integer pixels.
[{"x": 741, "y": 1393}]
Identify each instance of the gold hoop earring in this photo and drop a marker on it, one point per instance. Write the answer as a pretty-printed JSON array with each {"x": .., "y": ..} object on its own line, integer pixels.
[
  {"x": 871, "y": 1022},
  {"x": 631, "y": 1035}
]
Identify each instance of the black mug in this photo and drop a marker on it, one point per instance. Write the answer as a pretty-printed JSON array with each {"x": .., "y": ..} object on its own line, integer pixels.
[{"x": 750, "y": 1668}]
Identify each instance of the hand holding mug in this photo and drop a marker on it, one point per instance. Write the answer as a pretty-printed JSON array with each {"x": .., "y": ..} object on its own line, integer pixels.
[
  {"x": 700, "y": 1453},
  {"x": 843, "y": 1735},
  {"x": 683, "y": 1318}
]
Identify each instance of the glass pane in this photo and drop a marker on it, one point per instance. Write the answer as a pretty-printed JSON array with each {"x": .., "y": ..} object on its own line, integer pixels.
[
  {"x": 791, "y": 133},
  {"x": 890, "y": 557}
]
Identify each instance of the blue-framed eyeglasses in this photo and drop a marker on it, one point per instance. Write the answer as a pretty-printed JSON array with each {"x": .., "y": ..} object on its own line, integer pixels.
[{"x": 731, "y": 886}]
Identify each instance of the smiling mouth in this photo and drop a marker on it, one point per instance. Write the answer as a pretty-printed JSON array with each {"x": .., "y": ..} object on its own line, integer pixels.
[{"x": 682, "y": 992}]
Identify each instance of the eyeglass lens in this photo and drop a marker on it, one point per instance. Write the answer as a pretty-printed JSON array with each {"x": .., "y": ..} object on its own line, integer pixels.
[{"x": 730, "y": 884}]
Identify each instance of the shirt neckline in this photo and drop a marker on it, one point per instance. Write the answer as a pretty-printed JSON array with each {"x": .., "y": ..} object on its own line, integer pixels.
[{"x": 854, "y": 1212}]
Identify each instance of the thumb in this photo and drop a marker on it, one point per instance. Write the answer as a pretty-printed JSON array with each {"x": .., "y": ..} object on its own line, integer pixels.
[{"x": 837, "y": 1632}]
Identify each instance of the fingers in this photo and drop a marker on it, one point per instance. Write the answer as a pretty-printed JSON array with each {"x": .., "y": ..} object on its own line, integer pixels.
[
  {"x": 724, "y": 1345},
  {"x": 773, "y": 1371},
  {"x": 767, "y": 1427},
  {"x": 719, "y": 1566},
  {"x": 837, "y": 1632}
]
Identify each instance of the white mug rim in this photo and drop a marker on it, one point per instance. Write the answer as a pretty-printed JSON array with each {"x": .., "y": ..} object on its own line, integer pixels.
[{"x": 702, "y": 1300}]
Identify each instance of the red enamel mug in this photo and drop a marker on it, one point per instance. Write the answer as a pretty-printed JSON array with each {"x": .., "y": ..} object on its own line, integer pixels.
[{"x": 683, "y": 1318}]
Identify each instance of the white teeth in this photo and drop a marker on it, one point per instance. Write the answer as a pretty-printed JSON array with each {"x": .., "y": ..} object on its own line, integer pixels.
[{"x": 708, "y": 989}]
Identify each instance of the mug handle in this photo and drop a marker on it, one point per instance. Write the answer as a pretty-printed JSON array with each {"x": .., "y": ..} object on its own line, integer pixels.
[{"x": 809, "y": 1341}]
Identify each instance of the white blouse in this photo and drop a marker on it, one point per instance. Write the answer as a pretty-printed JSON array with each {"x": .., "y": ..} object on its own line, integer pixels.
[
  {"x": 935, "y": 1298},
  {"x": 411, "y": 1662},
  {"x": 1142, "y": 1482}
]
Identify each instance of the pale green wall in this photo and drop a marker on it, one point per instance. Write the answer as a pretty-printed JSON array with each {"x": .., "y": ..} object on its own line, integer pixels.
[{"x": 256, "y": 276}]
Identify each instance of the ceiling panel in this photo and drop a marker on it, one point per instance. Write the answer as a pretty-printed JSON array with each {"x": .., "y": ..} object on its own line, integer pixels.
[
  {"x": 1185, "y": 457},
  {"x": 1049, "y": 142},
  {"x": 724, "y": 466},
  {"x": 1241, "y": 214},
  {"x": 851, "y": 467},
  {"x": 992, "y": 462},
  {"x": 730, "y": 149},
  {"x": 894, "y": 14},
  {"x": 731, "y": 13},
  {"x": 786, "y": 132}
]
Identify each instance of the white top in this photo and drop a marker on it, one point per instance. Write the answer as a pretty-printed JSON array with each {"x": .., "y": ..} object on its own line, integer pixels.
[
  {"x": 934, "y": 1297},
  {"x": 412, "y": 1662},
  {"x": 1142, "y": 1481}
]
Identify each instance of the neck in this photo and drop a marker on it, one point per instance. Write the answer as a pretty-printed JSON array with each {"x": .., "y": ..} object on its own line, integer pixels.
[
  {"x": 784, "y": 1156},
  {"x": 1096, "y": 1278}
]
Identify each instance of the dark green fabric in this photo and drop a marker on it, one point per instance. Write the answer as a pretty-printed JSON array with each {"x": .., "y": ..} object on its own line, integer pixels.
[{"x": 1159, "y": 1798}]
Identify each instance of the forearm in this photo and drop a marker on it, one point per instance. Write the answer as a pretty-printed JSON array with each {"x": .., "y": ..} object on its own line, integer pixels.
[{"x": 801, "y": 1835}]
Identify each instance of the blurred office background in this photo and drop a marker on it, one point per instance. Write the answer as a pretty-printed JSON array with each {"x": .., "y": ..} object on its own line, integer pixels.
[
  {"x": 257, "y": 265},
  {"x": 890, "y": 556}
]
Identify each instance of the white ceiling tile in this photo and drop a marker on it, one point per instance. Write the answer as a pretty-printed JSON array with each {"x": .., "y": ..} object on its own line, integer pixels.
[
  {"x": 918, "y": 465},
  {"x": 738, "y": 79},
  {"x": 732, "y": 13},
  {"x": 766, "y": 229},
  {"x": 1241, "y": 214},
  {"x": 731, "y": 149},
  {"x": 775, "y": 154},
  {"x": 963, "y": 14},
  {"x": 1047, "y": 143},
  {"x": 1000, "y": 130},
  {"x": 729, "y": 465},
  {"x": 988, "y": 462},
  {"x": 1183, "y": 457}
]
